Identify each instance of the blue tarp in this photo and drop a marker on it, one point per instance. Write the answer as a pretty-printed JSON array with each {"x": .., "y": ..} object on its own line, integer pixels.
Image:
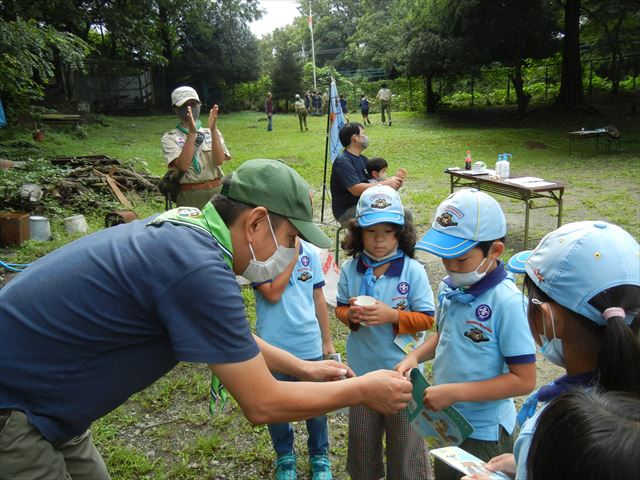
[{"x": 3, "y": 119}]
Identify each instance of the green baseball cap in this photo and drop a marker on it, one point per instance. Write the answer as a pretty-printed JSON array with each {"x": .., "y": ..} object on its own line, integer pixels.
[{"x": 280, "y": 189}]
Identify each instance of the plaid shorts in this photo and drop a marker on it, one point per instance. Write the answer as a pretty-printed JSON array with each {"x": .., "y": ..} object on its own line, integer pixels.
[{"x": 406, "y": 451}]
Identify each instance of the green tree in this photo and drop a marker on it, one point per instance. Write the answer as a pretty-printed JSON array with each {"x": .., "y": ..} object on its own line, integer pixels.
[
  {"x": 286, "y": 76},
  {"x": 28, "y": 52},
  {"x": 613, "y": 27},
  {"x": 571, "y": 94}
]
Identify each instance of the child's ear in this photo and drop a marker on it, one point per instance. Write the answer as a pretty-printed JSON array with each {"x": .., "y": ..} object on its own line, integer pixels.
[{"x": 496, "y": 250}]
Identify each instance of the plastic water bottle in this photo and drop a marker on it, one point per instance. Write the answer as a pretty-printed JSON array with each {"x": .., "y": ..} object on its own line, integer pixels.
[
  {"x": 468, "y": 161},
  {"x": 505, "y": 166},
  {"x": 499, "y": 165}
]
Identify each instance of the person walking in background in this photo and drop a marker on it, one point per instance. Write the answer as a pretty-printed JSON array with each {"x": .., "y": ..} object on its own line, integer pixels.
[
  {"x": 194, "y": 152},
  {"x": 364, "y": 109},
  {"x": 381, "y": 243},
  {"x": 268, "y": 108},
  {"x": 301, "y": 112},
  {"x": 384, "y": 95},
  {"x": 284, "y": 319}
]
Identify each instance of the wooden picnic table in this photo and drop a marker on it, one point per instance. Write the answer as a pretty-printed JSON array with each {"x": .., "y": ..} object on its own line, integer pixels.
[{"x": 526, "y": 191}]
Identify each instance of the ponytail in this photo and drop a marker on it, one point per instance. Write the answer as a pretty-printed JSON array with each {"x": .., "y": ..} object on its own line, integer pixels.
[{"x": 619, "y": 355}]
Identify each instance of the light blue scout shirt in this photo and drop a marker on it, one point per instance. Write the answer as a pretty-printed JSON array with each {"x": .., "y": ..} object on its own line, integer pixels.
[
  {"x": 404, "y": 286},
  {"x": 482, "y": 331},
  {"x": 291, "y": 323},
  {"x": 544, "y": 395}
]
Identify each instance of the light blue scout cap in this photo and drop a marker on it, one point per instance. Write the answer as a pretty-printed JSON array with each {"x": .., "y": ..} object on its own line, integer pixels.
[
  {"x": 379, "y": 204},
  {"x": 517, "y": 262},
  {"x": 466, "y": 218},
  {"x": 579, "y": 260}
]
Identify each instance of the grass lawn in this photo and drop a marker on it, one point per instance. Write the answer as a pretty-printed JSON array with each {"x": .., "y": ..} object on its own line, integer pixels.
[{"x": 166, "y": 431}]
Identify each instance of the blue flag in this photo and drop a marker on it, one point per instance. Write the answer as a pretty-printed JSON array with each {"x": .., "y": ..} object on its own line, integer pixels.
[
  {"x": 337, "y": 121},
  {"x": 3, "y": 119}
]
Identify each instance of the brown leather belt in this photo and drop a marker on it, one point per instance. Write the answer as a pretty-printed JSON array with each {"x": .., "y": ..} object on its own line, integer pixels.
[{"x": 201, "y": 186}]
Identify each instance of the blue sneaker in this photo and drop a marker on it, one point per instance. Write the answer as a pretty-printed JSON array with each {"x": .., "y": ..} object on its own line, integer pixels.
[
  {"x": 286, "y": 467},
  {"x": 320, "y": 467}
]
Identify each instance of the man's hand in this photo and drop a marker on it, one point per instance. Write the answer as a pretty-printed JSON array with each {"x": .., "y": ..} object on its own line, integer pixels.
[
  {"x": 386, "y": 391},
  {"x": 213, "y": 118},
  {"x": 438, "y": 397},
  {"x": 191, "y": 121},
  {"x": 402, "y": 174},
  {"x": 325, "y": 371}
]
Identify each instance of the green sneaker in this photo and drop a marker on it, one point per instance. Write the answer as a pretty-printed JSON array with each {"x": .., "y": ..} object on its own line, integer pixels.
[
  {"x": 320, "y": 467},
  {"x": 286, "y": 467}
]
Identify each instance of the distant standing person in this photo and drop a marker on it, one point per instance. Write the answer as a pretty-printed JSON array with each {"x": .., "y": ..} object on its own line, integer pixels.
[
  {"x": 307, "y": 101},
  {"x": 325, "y": 102},
  {"x": 384, "y": 95},
  {"x": 268, "y": 108},
  {"x": 316, "y": 101},
  {"x": 301, "y": 112},
  {"x": 194, "y": 152},
  {"x": 364, "y": 109}
]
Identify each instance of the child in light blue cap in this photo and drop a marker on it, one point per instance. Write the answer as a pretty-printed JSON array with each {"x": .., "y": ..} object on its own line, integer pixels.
[
  {"x": 382, "y": 241},
  {"x": 583, "y": 282},
  {"x": 483, "y": 351}
]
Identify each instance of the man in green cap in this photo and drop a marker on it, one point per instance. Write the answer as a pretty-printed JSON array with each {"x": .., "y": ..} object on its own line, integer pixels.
[{"x": 118, "y": 309}]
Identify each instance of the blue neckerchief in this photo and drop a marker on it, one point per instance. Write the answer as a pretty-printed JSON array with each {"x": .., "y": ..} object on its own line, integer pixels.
[
  {"x": 194, "y": 161},
  {"x": 552, "y": 390},
  {"x": 471, "y": 293},
  {"x": 369, "y": 279}
]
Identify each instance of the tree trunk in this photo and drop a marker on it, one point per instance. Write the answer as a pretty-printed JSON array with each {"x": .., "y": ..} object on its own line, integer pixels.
[
  {"x": 571, "y": 94},
  {"x": 518, "y": 86},
  {"x": 165, "y": 75},
  {"x": 432, "y": 97}
]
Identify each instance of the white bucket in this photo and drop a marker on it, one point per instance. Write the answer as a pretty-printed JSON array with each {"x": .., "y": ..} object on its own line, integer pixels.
[
  {"x": 76, "y": 224},
  {"x": 40, "y": 228}
]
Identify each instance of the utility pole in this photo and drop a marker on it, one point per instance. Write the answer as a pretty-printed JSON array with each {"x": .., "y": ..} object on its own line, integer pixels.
[{"x": 313, "y": 50}]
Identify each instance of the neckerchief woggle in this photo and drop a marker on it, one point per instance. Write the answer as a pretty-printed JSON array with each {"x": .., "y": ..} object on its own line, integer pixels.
[
  {"x": 208, "y": 221},
  {"x": 404, "y": 341},
  {"x": 195, "y": 161},
  {"x": 369, "y": 279}
]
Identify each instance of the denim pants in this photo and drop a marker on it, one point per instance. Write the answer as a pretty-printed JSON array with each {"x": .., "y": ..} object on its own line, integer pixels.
[
  {"x": 282, "y": 433},
  {"x": 270, "y": 125}
]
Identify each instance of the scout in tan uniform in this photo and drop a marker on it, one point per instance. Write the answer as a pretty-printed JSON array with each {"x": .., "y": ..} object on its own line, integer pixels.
[{"x": 194, "y": 150}]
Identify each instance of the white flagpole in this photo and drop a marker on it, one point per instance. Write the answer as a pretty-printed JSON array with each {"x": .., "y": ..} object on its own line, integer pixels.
[{"x": 313, "y": 50}]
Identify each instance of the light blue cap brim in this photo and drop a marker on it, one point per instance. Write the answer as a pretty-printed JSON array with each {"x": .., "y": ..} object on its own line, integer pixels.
[
  {"x": 516, "y": 264},
  {"x": 383, "y": 217},
  {"x": 443, "y": 245}
]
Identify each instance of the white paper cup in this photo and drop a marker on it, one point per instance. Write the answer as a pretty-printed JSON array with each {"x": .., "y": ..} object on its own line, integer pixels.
[{"x": 365, "y": 301}]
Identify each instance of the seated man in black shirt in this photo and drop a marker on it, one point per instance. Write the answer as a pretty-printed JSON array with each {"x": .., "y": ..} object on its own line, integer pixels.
[{"x": 349, "y": 175}]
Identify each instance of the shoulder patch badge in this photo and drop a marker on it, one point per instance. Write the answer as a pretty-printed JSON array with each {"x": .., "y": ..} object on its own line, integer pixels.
[
  {"x": 483, "y": 312},
  {"x": 304, "y": 276}
]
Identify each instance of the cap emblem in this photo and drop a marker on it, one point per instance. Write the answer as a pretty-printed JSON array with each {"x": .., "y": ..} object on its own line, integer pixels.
[
  {"x": 381, "y": 202},
  {"x": 538, "y": 275},
  {"x": 446, "y": 220}
]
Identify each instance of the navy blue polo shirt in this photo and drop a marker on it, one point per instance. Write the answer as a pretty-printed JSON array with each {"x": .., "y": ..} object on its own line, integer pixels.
[
  {"x": 101, "y": 318},
  {"x": 348, "y": 170}
]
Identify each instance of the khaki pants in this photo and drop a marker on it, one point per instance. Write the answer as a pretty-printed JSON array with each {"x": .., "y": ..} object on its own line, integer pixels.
[
  {"x": 196, "y": 198},
  {"x": 26, "y": 455}
]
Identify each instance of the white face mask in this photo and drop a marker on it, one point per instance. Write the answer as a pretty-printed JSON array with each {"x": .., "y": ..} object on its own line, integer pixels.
[
  {"x": 463, "y": 280},
  {"x": 262, "y": 271},
  {"x": 380, "y": 259},
  {"x": 550, "y": 349}
]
